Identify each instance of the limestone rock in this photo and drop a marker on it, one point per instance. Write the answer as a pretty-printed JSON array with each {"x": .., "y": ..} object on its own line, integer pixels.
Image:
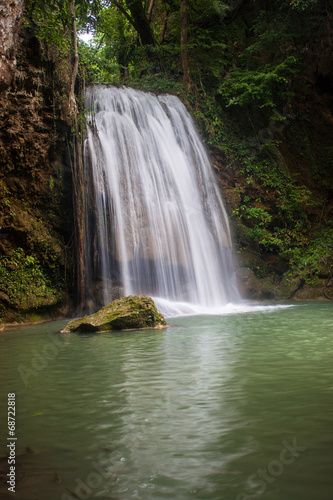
[
  {"x": 11, "y": 14},
  {"x": 249, "y": 285},
  {"x": 128, "y": 313},
  {"x": 289, "y": 285}
]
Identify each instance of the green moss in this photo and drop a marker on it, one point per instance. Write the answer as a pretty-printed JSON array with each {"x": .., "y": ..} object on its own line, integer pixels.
[
  {"x": 23, "y": 283},
  {"x": 316, "y": 260},
  {"x": 127, "y": 313}
]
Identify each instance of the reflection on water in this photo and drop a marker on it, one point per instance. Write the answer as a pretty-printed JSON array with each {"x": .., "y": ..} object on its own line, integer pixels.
[{"x": 215, "y": 407}]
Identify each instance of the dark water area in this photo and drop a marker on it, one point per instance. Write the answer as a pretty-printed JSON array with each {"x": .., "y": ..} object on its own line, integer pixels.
[{"x": 226, "y": 407}]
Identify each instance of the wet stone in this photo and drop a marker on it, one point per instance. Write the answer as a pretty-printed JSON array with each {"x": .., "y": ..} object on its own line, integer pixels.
[{"x": 128, "y": 313}]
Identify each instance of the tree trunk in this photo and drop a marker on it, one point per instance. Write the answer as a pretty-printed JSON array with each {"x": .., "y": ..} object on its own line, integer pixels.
[
  {"x": 11, "y": 14},
  {"x": 141, "y": 20},
  {"x": 72, "y": 99},
  {"x": 78, "y": 180},
  {"x": 150, "y": 9},
  {"x": 183, "y": 44},
  {"x": 138, "y": 19},
  {"x": 165, "y": 26}
]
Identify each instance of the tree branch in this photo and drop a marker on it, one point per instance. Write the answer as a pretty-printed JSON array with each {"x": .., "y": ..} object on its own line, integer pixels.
[{"x": 126, "y": 14}]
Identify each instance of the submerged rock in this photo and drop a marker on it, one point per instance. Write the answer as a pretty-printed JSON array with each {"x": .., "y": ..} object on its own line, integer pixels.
[{"x": 127, "y": 313}]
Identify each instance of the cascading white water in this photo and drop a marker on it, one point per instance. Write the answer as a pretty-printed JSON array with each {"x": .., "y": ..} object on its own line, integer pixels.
[{"x": 158, "y": 225}]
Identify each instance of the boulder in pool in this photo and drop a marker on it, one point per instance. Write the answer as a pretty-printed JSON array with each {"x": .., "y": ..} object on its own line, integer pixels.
[{"x": 128, "y": 313}]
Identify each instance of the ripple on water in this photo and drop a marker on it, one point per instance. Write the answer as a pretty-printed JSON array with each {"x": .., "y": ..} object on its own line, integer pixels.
[{"x": 191, "y": 412}]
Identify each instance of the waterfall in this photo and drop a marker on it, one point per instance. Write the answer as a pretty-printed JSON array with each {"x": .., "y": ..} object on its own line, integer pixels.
[{"x": 156, "y": 224}]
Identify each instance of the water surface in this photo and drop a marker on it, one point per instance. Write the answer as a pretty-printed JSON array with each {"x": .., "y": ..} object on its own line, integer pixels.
[{"x": 214, "y": 407}]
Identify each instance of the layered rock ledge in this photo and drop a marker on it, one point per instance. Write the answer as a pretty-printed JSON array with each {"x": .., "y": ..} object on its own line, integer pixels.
[{"x": 128, "y": 313}]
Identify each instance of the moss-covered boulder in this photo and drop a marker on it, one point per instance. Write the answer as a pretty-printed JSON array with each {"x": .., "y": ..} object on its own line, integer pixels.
[{"x": 128, "y": 313}]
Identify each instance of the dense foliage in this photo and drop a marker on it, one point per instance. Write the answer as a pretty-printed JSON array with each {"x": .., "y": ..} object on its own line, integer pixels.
[
  {"x": 258, "y": 79},
  {"x": 246, "y": 68}
]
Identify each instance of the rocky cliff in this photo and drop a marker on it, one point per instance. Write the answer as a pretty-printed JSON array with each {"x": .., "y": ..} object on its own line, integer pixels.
[{"x": 36, "y": 228}]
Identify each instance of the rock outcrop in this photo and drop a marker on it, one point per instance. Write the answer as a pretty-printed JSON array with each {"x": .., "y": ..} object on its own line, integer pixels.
[
  {"x": 11, "y": 14},
  {"x": 128, "y": 313}
]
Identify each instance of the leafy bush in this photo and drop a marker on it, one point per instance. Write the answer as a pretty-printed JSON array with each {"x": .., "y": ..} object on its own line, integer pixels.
[
  {"x": 316, "y": 259},
  {"x": 24, "y": 282},
  {"x": 262, "y": 88}
]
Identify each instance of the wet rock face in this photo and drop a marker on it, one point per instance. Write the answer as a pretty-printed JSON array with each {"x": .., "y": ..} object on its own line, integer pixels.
[
  {"x": 10, "y": 21},
  {"x": 36, "y": 211},
  {"x": 128, "y": 313}
]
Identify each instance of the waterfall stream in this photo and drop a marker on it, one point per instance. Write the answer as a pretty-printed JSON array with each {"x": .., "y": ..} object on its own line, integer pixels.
[{"x": 155, "y": 222}]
